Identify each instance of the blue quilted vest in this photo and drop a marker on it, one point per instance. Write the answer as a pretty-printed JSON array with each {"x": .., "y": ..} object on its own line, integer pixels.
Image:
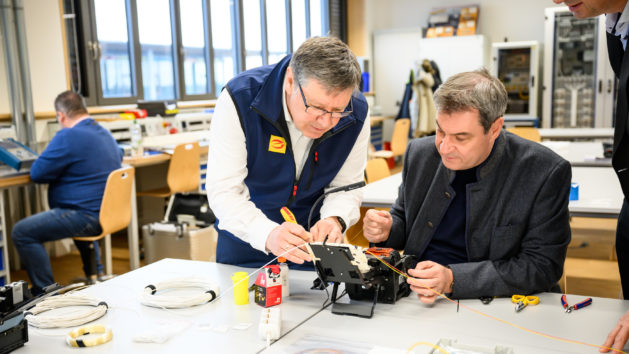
[{"x": 271, "y": 179}]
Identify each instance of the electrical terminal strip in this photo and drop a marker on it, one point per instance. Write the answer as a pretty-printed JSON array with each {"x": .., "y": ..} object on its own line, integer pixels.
[{"x": 270, "y": 324}]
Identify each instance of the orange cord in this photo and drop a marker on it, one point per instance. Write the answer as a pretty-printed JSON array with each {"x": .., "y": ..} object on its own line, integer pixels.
[{"x": 499, "y": 319}]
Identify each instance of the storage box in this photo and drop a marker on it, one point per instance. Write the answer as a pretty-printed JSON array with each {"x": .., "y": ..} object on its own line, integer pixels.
[
  {"x": 172, "y": 240},
  {"x": 268, "y": 286}
]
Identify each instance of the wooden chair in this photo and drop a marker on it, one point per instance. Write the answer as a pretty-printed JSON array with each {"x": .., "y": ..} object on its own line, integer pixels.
[
  {"x": 530, "y": 133},
  {"x": 115, "y": 211},
  {"x": 399, "y": 139},
  {"x": 376, "y": 169},
  {"x": 183, "y": 174}
]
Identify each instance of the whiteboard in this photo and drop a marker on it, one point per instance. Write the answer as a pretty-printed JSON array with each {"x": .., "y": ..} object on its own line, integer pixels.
[{"x": 395, "y": 53}]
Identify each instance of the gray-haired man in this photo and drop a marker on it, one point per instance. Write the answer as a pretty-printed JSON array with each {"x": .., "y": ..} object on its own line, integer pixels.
[
  {"x": 281, "y": 135},
  {"x": 485, "y": 211}
]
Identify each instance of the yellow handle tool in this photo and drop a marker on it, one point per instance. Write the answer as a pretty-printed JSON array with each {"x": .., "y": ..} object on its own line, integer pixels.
[{"x": 288, "y": 215}]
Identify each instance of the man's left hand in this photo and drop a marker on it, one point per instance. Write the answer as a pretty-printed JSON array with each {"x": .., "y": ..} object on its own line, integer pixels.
[
  {"x": 429, "y": 275},
  {"x": 327, "y": 227}
]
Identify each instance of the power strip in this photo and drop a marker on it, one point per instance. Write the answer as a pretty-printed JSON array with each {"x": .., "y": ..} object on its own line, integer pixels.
[{"x": 270, "y": 324}]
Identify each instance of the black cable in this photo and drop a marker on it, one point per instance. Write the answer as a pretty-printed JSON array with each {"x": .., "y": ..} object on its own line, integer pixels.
[{"x": 346, "y": 188}]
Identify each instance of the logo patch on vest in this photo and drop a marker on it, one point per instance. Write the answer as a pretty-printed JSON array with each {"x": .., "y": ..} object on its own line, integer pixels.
[{"x": 277, "y": 144}]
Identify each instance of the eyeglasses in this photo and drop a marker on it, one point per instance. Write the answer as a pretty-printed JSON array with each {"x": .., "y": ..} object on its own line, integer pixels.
[{"x": 321, "y": 112}]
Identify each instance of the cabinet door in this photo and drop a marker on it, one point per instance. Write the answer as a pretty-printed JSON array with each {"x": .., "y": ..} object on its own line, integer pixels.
[
  {"x": 516, "y": 64},
  {"x": 576, "y": 74}
]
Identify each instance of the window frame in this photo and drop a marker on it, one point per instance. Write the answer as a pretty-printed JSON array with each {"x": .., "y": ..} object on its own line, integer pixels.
[{"x": 89, "y": 49}]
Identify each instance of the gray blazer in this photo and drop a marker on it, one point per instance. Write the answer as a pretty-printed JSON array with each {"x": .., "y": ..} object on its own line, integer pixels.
[{"x": 518, "y": 229}]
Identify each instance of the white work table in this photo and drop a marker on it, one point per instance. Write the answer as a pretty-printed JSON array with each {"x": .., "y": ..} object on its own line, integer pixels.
[
  {"x": 580, "y": 153},
  {"x": 576, "y": 133},
  {"x": 393, "y": 328},
  {"x": 600, "y": 194},
  {"x": 128, "y": 318}
]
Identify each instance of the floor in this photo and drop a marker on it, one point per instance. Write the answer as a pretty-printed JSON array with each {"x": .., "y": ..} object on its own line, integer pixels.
[{"x": 68, "y": 269}]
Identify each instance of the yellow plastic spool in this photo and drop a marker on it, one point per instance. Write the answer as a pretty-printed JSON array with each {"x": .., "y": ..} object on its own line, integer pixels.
[{"x": 241, "y": 288}]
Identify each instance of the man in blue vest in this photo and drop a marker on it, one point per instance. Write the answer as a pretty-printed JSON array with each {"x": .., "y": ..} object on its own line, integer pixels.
[{"x": 281, "y": 136}]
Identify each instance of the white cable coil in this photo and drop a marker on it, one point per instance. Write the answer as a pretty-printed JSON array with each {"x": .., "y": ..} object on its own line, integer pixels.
[
  {"x": 151, "y": 298},
  {"x": 72, "y": 317}
]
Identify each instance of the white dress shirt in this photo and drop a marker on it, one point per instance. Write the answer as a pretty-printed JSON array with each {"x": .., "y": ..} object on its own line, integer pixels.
[
  {"x": 621, "y": 20},
  {"x": 228, "y": 195}
]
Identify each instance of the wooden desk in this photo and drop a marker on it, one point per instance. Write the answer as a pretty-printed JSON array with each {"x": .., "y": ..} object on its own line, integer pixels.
[
  {"x": 133, "y": 228},
  {"x": 393, "y": 327},
  {"x": 375, "y": 120},
  {"x": 7, "y": 182},
  {"x": 16, "y": 180},
  {"x": 139, "y": 162}
]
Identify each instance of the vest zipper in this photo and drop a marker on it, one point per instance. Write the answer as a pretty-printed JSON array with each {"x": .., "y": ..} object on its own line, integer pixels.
[
  {"x": 283, "y": 129},
  {"x": 315, "y": 156}
]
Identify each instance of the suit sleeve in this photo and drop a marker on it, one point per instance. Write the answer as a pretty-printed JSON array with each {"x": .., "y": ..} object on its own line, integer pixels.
[
  {"x": 398, "y": 235},
  {"x": 539, "y": 263}
]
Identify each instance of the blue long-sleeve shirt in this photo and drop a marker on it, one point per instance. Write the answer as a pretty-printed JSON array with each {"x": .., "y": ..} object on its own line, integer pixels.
[{"x": 76, "y": 164}]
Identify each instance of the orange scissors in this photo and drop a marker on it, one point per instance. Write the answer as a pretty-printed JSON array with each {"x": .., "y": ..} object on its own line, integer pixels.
[{"x": 522, "y": 301}]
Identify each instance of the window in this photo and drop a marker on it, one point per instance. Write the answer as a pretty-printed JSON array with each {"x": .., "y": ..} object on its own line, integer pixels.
[
  {"x": 156, "y": 46},
  {"x": 222, "y": 40},
  {"x": 194, "y": 39},
  {"x": 253, "y": 33},
  {"x": 299, "y": 22},
  {"x": 112, "y": 48},
  {"x": 122, "y": 51},
  {"x": 276, "y": 29}
]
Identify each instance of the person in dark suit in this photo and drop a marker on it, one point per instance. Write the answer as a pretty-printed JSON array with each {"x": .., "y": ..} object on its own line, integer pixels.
[
  {"x": 617, "y": 14},
  {"x": 485, "y": 211}
]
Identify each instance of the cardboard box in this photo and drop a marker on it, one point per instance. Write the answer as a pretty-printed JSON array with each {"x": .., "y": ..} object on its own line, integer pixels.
[{"x": 268, "y": 286}]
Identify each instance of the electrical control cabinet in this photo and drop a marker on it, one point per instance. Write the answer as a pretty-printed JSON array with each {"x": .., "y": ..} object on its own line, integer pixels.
[
  {"x": 516, "y": 64},
  {"x": 579, "y": 82}
]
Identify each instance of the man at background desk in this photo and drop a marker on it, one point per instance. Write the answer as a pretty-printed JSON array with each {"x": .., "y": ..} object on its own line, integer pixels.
[
  {"x": 75, "y": 164},
  {"x": 280, "y": 136},
  {"x": 485, "y": 211},
  {"x": 617, "y": 13}
]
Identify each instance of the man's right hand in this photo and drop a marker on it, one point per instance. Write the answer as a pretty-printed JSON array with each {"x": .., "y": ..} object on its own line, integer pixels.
[
  {"x": 282, "y": 242},
  {"x": 377, "y": 225}
]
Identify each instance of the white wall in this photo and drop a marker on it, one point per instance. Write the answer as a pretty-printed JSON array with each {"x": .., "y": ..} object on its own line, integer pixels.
[
  {"x": 45, "y": 52},
  {"x": 515, "y": 20}
]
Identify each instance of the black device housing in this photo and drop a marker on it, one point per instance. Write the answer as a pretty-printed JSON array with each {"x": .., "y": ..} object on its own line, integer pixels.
[
  {"x": 13, "y": 295},
  {"x": 194, "y": 204},
  {"x": 392, "y": 286},
  {"x": 380, "y": 283},
  {"x": 157, "y": 108},
  {"x": 13, "y": 332}
]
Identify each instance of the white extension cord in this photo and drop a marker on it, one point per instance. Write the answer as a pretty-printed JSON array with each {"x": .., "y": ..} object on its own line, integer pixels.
[
  {"x": 71, "y": 318},
  {"x": 270, "y": 324},
  {"x": 151, "y": 298}
]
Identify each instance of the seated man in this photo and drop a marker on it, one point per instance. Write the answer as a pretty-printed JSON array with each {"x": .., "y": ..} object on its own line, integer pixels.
[
  {"x": 75, "y": 164},
  {"x": 485, "y": 211}
]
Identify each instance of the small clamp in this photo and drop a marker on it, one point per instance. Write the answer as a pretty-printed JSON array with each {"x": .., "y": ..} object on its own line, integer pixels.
[
  {"x": 486, "y": 300},
  {"x": 580, "y": 305}
]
